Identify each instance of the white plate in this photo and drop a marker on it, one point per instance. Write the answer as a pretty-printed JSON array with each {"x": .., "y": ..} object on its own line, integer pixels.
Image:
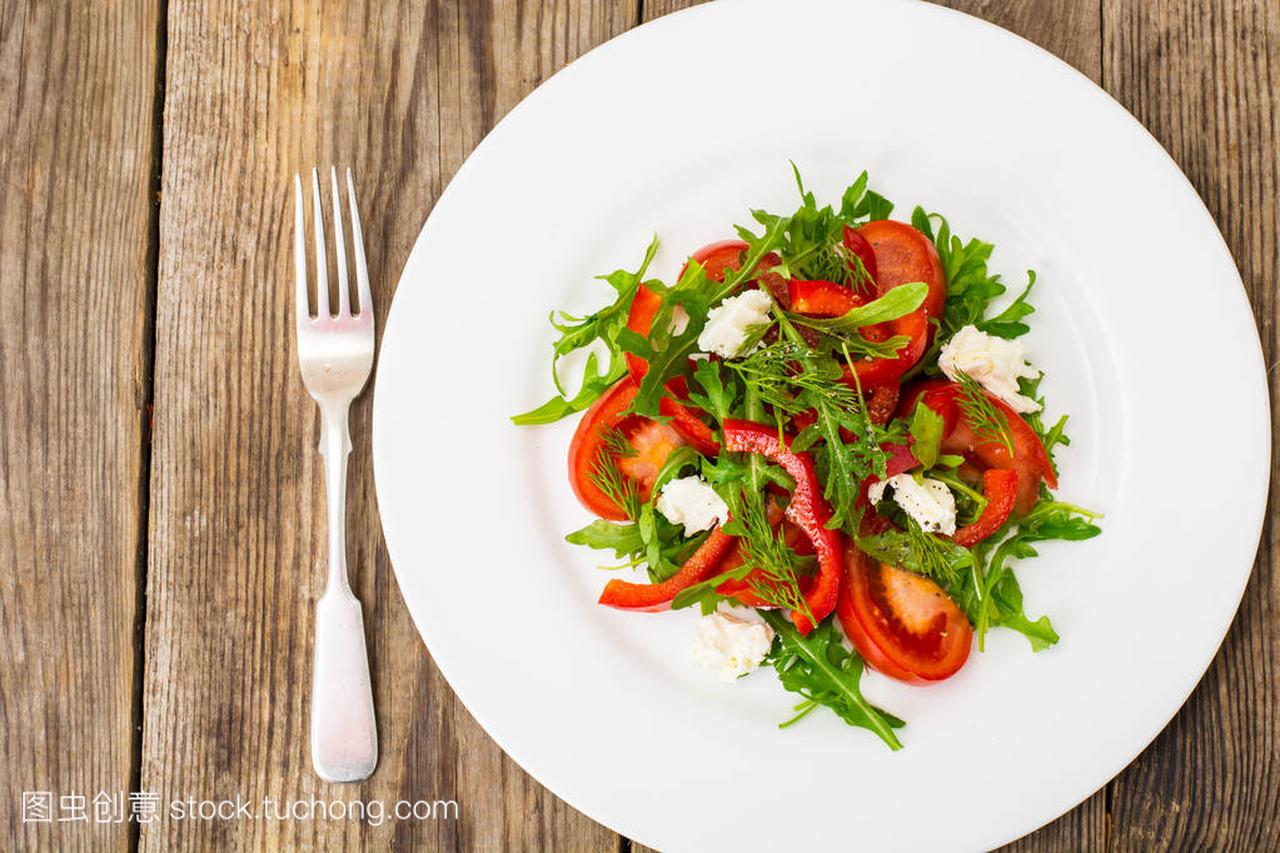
[{"x": 678, "y": 127}]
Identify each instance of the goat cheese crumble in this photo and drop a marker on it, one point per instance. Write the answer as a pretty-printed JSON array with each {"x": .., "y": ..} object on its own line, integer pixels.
[
  {"x": 994, "y": 363},
  {"x": 733, "y": 646},
  {"x": 929, "y": 502},
  {"x": 729, "y": 324},
  {"x": 691, "y": 502}
]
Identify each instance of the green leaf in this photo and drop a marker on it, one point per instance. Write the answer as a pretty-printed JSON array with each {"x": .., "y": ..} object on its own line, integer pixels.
[
  {"x": 604, "y": 326},
  {"x": 667, "y": 353},
  {"x": 714, "y": 398},
  {"x": 970, "y": 286},
  {"x": 595, "y": 382},
  {"x": 1008, "y": 323},
  {"x": 993, "y": 597},
  {"x": 623, "y": 539},
  {"x": 899, "y": 302},
  {"x": 926, "y": 430},
  {"x": 820, "y": 669}
]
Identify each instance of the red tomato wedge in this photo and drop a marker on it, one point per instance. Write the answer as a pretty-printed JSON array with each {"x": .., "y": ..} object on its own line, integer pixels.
[
  {"x": 716, "y": 259},
  {"x": 858, "y": 245},
  {"x": 1030, "y": 460},
  {"x": 651, "y": 443},
  {"x": 902, "y": 623},
  {"x": 904, "y": 254}
]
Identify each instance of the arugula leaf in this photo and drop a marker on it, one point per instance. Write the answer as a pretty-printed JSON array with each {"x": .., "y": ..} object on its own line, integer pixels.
[
  {"x": 667, "y": 352},
  {"x": 994, "y": 598},
  {"x": 714, "y": 398},
  {"x": 926, "y": 431},
  {"x": 898, "y": 302},
  {"x": 1054, "y": 435},
  {"x": 824, "y": 672},
  {"x": 970, "y": 287},
  {"x": 1008, "y": 323},
  {"x": 577, "y": 332},
  {"x": 623, "y": 539}
]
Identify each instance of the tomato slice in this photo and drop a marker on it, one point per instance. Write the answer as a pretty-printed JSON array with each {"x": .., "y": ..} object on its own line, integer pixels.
[
  {"x": 651, "y": 442},
  {"x": 904, "y": 254},
  {"x": 858, "y": 245},
  {"x": 716, "y": 259},
  {"x": 902, "y": 623}
]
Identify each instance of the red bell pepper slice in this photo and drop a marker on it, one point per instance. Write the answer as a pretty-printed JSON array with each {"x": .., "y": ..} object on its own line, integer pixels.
[
  {"x": 654, "y": 597},
  {"x": 644, "y": 306},
  {"x": 877, "y": 376},
  {"x": 1000, "y": 486},
  {"x": 808, "y": 510}
]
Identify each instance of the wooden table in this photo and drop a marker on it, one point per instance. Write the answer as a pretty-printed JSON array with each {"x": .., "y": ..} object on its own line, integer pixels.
[{"x": 161, "y": 509}]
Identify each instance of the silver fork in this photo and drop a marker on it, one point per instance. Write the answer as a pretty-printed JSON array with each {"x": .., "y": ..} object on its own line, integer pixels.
[{"x": 336, "y": 352}]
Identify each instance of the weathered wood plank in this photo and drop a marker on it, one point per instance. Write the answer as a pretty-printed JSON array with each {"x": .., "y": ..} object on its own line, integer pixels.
[
  {"x": 255, "y": 91},
  {"x": 1205, "y": 79},
  {"x": 76, "y": 117}
]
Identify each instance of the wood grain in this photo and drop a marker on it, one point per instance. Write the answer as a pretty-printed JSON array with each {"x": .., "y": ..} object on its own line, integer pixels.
[
  {"x": 75, "y": 220},
  {"x": 255, "y": 91},
  {"x": 402, "y": 92},
  {"x": 1205, "y": 79}
]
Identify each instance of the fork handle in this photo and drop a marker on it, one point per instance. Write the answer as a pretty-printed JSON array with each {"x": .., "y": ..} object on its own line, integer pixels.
[{"x": 344, "y": 734}]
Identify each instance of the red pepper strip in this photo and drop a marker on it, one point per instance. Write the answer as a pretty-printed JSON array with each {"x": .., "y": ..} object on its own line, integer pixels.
[
  {"x": 807, "y": 509},
  {"x": 1000, "y": 485},
  {"x": 684, "y": 421},
  {"x": 828, "y": 299},
  {"x": 644, "y": 306},
  {"x": 654, "y": 597}
]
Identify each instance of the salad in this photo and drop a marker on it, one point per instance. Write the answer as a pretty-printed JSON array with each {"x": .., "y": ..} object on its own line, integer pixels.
[{"x": 820, "y": 430}]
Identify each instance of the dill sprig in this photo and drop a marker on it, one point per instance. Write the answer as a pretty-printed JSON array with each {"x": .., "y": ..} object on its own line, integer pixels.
[
  {"x": 616, "y": 443},
  {"x": 982, "y": 415},
  {"x": 777, "y": 582},
  {"x": 915, "y": 549},
  {"x": 606, "y": 476}
]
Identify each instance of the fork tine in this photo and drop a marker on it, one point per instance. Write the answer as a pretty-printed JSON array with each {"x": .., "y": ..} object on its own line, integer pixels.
[
  {"x": 322, "y": 265},
  {"x": 299, "y": 253},
  {"x": 357, "y": 238},
  {"x": 340, "y": 246}
]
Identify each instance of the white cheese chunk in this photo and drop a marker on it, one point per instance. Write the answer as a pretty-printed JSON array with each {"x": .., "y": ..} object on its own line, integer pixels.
[
  {"x": 930, "y": 503},
  {"x": 730, "y": 323},
  {"x": 994, "y": 363},
  {"x": 691, "y": 502},
  {"x": 733, "y": 646}
]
